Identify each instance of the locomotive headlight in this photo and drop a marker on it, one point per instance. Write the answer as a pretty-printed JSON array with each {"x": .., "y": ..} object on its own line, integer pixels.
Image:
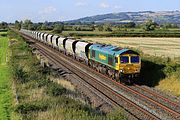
[
  {"x": 137, "y": 70},
  {"x": 121, "y": 71}
]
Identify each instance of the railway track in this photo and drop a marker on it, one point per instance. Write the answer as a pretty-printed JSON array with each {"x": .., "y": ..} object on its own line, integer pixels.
[
  {"x": 173, "y": 105},
  {"x": 116, "y": 92}
]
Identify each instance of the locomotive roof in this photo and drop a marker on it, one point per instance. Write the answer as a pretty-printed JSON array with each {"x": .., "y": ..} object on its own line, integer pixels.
[{"x": 113, "y": 50}]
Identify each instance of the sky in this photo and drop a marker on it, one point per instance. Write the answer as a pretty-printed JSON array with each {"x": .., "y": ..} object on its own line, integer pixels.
[{"x": 62, "y": 10}]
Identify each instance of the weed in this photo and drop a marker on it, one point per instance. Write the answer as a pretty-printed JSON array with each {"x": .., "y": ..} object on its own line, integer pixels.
[
  {"x": 25, "y": 108},
  {"x": 54, "y": 89}
]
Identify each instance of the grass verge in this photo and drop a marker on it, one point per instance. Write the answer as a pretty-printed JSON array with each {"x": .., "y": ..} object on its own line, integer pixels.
[{"x": 5, "y": 80}]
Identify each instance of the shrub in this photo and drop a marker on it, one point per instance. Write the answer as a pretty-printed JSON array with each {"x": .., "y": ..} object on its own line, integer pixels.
[
  {"x": 43, "y": 82},
  {"x": 20, "y": 74},
  {"x": 116, "y": 115},
  {"x": 3, "y": 34},
  {"x": 55, "y": 89},
  {"x": 25, "y": 108}
]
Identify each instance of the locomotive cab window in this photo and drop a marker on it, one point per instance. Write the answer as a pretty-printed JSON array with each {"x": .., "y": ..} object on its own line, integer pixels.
[
  {"x": 134, "y": 59},
  {"x": 124, "y": 59},
  {"x": 93, "y": 53}
]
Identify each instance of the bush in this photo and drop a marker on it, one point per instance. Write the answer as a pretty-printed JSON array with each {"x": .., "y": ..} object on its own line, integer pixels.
[
  {"x": 116, "y": 115},
  {"x": 54, "y": 89},
  {"x": 3, "y": 34},
  {"x": 43, "y": 82},
  {"x": 20, "y": 74},
  {"x": 58, "y": 28},
  {"x": 154, "y": 69},
  {"x": 25, "y": 108}
]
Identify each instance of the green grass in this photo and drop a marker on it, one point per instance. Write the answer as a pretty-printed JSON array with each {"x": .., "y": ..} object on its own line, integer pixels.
[
  {"x": 3, "y": 33},
  {"x": 5, "y": 81}
]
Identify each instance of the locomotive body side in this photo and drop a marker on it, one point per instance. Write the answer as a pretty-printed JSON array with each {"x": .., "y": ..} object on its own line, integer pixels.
[{"x": 103, "y": 55}]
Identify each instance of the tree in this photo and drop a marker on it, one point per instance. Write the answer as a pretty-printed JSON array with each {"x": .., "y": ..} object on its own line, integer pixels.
[
  {"x": 44, "y": 27},
  {"x": 77, "y": 28},
  {"x": 100, "y": 28},
  {"x": 130, "y": 25},
  {"x": 17, "y": 25},
  {"x": 3, "y": 25},
  {"x": 150, "y": 25},
  {"x": 26, "y": 24},
  {"x": 107, "y": 27},
  {"x": 31, "y": 27},
  {"x": 92, "y": 27},
  {"x": 58, "y": 28}
]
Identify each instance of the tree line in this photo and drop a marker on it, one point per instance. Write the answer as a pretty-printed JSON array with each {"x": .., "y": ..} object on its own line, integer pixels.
[{"x": 58, "y": 27}]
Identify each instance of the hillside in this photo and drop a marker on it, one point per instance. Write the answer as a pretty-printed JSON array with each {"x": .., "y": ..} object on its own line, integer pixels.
[{"x": 137, "y": 17}]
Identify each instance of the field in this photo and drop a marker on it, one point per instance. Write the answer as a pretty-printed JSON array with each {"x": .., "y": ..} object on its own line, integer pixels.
[
  {"x": 166, "y": 47},
  {"x": 5, "y": 81}
]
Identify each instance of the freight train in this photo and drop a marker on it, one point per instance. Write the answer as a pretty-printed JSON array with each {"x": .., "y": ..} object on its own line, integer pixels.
[{"x": 121, "y": 64}]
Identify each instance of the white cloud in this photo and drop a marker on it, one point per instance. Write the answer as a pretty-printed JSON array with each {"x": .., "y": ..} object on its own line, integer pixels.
[
  {"x": 117, "y": 7},
  {"x": 47, "y": 10},
  {"x": 79, "y": 4},
  {"x": 62, "y": 18},
  {"x": 104, "y": 5}
]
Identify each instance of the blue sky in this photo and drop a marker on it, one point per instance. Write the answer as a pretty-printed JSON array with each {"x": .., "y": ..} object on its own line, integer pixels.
[{"x": 60, "y": 10}]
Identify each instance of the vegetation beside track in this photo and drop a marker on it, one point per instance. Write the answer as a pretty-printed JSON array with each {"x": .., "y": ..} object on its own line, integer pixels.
[
  {"x": 5, "y": 79},
  {"x": 162, "y": 73},
  {"x": 38, "y": 97}
]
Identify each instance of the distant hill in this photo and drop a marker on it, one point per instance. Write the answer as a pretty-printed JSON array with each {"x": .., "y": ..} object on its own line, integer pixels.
[{"x": 137, "y": 17}]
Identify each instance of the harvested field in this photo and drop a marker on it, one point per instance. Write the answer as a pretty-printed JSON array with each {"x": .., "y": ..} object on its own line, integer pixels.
[{"x": 168, "y": 47}]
